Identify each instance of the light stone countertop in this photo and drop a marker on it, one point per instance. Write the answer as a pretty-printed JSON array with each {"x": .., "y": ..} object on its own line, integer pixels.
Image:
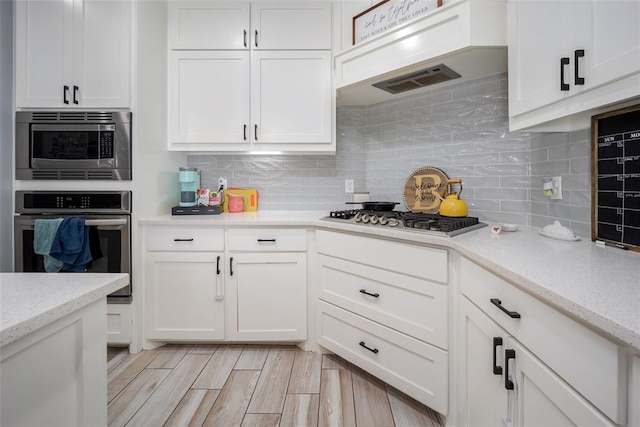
[
  {"x": 597, "y": 285},
  {"x": 30, "y": 301}
]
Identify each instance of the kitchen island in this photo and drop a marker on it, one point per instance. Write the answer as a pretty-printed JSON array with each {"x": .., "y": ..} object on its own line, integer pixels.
[{"x": 53, "y": 348}]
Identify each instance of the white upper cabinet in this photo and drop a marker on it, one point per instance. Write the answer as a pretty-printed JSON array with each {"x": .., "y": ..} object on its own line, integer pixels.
[
  {"x": 250, "y": 76},
  {"x": 73, "y": 54},
  {"x": 202, "y": 24},
  {"x": 290, "y": 102},
  {"x": 209, "y": 96},
  {"x": 587, "y": 57},
  {"x": 291, "y": 25}
]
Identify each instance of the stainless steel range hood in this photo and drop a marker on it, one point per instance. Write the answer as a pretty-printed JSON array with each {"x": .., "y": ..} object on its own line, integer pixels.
[
  {"x": 419, "y": 79},
  {"x": 461, "y": 40}
]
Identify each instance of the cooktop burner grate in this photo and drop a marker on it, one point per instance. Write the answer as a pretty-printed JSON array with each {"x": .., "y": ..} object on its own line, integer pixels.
[{"x": 420, "y": 222}]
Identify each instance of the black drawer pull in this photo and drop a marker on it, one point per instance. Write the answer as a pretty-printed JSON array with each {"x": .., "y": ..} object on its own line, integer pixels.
[
  {"x": 231, "y": 266},
  {"x": 508, "y": 354},
  {"x": 75, "y": 94},
  {"x": 244, "y": 132},
  {"x": 218, "y": 266},
  {"x": 183, "y": 240},
  {"x": 65, "y": 89},
  {"x": 266, "y": 240},
  {"x": 372, "y": 350},
  {"x": 245, "y": 38},
  {"x": 579, "y": 53},
  {"x": 497, "y": 342},
  {"x": 376, "y": 295},
  {"x": 563, "y": 63},
  {"x": 498, "y": 303}
]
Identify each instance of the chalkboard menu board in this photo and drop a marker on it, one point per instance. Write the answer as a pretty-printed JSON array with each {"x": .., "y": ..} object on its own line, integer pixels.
[{"x": 616, "y": 177}]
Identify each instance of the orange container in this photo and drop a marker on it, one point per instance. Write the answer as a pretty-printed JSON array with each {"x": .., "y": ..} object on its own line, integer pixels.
[{"x": 250, "y": 196}]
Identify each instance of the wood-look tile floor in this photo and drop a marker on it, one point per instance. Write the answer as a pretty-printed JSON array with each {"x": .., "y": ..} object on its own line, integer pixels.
[{"x": 247, "y": 386}]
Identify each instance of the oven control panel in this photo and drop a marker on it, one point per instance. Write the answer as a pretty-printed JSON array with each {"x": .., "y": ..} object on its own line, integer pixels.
[{"x": 53, "y": 201}]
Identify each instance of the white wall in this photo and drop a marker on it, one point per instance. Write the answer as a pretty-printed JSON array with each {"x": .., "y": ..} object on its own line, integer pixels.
[
  {"x": 6, "y": 136},
  {"x": 155, "y": 173}
]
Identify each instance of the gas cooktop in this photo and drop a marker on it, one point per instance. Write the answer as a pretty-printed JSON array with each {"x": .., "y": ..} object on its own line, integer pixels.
[{"x": 433, "y": 224}]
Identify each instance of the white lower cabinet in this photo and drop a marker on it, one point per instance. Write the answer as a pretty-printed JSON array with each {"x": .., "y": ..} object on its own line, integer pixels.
[
  {"x": 501, "y": 382},
  {"x": 267, "y": 284},
  {"x": 482, "y": 396},
  {"x": 386, "y": 314},
  {"x": 543, "y": 398},
  {"x": 183, "y": 296},
  {"x": 267, "y": 292},
  {"x": 198, "y": 289},
  {"x": 184, "y": 284},
  {"x": 522, "y": 362},
  {"x": 119, "y": 324}
]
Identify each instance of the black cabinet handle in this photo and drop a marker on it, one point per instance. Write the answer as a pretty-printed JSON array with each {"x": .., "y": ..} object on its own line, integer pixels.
[
  {"x": 266, "y": 240},
  {"x": 255, "y": 132},
  {"x": 376, "y": 295},
  {"x": 245, "y": 38},
  {"x": 183, "y": 240},
  {"x": 231, "y": 266},
  {"x": 218, "y": 265},
  {"x": 65, "y": 89},
  {"x": 255, "y": 39},
  {"x": 498, "y": 303},
  {"x": 497, "y": 342},
  {"x": 75, "y": 94},
  {"x": 563, "y": 63},
  {"x": 508, "y": 354},
  {"x": 244, "y": 132},
  {"x": 579, "y": 53},
  {"x": 372, "y": 350}
]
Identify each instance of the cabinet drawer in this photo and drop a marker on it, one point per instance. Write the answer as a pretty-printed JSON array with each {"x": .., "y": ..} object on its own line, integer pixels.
[
  {"x": 184, "y": 239},
  {"x": 410, "y": 305},
  {"x": 267, "y": 239},
  {"x": 592, "y": 364},
  {"x": 415, "y": 368},
  {"x": 419, "y": 261}
]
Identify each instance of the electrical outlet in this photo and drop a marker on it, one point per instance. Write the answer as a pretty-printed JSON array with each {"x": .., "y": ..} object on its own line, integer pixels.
[
  {"x": 557, "y": 186},
  {"x": 222, "y": 182},
  {"x": 348, "y": 186}
]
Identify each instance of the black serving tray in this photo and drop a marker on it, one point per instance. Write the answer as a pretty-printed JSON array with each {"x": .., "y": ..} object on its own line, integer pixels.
[{"x": 195, "y": 210}]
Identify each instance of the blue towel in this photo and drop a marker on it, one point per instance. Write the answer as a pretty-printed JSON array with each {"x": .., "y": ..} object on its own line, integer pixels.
[
  {"x": 71, "y": 244},
  {"x": 45, "y": 231}
]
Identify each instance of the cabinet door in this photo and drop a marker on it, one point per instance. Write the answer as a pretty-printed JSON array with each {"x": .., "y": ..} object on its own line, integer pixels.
[
  {"x": 483, "y": 397},
  {"x": 291, "y": 25},
  {"x": 269, "y": 292},
  {"x": 184, "y": 296},
  {"x": 43, "y": 52},
  {"x": 205, "y": 24},
  {"x": 102, "y": 54},
  {"x": 291, "y": 96},
  {"x": 543, "y": 399},
  {"x": 208, "y": 97},
  {"x": 540, "y": 34},
  {"x": 615, "y": 46}
]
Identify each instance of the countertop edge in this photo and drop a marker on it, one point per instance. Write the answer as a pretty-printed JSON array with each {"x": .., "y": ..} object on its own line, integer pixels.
[{"x": 16, "y": 331}]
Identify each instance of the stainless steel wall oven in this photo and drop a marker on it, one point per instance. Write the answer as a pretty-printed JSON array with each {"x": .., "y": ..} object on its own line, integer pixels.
[
  {"x": 107, "y": 212},
  {"x": 84, "y": 145}
]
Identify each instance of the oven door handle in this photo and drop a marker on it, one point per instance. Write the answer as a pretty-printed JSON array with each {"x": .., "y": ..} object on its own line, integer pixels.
[{"x": 98, "y": 222}]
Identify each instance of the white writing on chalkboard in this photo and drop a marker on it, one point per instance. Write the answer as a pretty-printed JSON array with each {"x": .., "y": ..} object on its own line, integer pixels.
[{"x": 617, "y": 177}]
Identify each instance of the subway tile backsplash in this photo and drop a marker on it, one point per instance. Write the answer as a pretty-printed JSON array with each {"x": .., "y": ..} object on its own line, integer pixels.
[{"x": 461, "y": 129}]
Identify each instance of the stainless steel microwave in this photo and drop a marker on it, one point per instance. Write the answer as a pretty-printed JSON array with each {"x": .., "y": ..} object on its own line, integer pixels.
[{"x": 84, "y": 145}]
